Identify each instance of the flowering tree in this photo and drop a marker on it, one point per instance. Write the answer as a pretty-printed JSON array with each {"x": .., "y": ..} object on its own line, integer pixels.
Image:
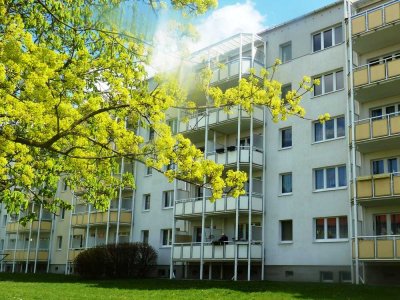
[{"x": 74, "y": 91}]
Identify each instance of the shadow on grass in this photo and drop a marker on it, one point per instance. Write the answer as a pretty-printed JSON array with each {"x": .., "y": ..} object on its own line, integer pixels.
[{"x": 255, "y": 288}]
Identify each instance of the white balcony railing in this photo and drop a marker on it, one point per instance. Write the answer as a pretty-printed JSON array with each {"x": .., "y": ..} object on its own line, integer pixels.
[
  {"x": 194, "y": 206},
  {"x": 220, "y": 251},
  {"x": 378, "y": 127},
  {"x": 384, "y": 247},
  {"x": 375, "y": 72},
  {"x": 229, "y": 155},
  {"x": 231, "y": 69}
]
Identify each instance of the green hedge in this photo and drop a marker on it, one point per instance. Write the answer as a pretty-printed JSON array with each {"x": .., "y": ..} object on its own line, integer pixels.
[{"x": 116, "y": 261}]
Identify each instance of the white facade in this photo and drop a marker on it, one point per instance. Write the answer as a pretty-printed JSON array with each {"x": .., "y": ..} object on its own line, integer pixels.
[{"x": 295, "y": 222}]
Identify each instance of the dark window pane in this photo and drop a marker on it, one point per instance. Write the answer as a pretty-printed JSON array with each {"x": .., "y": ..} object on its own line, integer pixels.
[
  {"x": 390, "y": 109},
  {"x": 380, "y": 225},
  {"x": 376, "y": 114},
  {"x": 330, "y": 178},
  {"x": 395, "y": 223},
  {"x": 378, "y": 167},
  {"x": 317, "y": 42},
  {"x": 339, "y": 80},
  {"x": 332, "y": 228},
  {"x": 286, "y": 230},
  {"x": 338, "y": 35},
  {"x": 286, "y": 137},
  {"x": 343, "y": 229},
  {"x": 330, "y": 129},
  {"x": 319, "y": 179},
  {"x": 328, "y": 38},
  {"x": 286, "y": 52},
  {"x": 319, "y": 229},
  {"x": 286, "y": 183},
  {"x": 328, "y": 82},
  {"x": 318, "y": 132},
  {"x": 340, "y": 127},
  {"x": 342, "y": 176},
  {"x": 392, "y": 165}
]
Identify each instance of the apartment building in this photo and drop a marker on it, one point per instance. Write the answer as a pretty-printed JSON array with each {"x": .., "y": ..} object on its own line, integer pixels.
[{"x": 308, "y": 181}]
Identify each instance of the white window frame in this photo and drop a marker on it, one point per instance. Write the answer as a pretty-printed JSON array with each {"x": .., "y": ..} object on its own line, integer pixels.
[
  {"x": 321, "y": 32},
  {"x": 281, "y": 47},
  {"x": 173, "y": 124},
  {"x": 326, "y": 239},
  {"x": 385, "y": 165},
  {"x": 142, "y": 235},
  {"x": 326, "y": 272},
  {"x": 168, "y": 231},
  {"x": 281, "y": 232},
  {"x": 281, "y": 193},
  {"x": 321, "y": 78},
  {"x": 148, "y": 171},
  {"x": 325, "y": 188},
  {"x": 281, "y": 139},
  {"x": 170, "y": 195},
  {"x": 59, "y": 242},
  {"x": 145, "y": 198},
  {"x": 335, "y": 130}
]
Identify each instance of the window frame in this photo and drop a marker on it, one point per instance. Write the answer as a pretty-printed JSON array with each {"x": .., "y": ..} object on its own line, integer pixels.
[
  {"x": 325, "y": 178},
  {"x": 281, "y": 51},
  {"x": 322, "y": 77},
  {"x": 281, "y": 132},
  {"x": 170, "y": 198},
  {"x": 145, "y": 233},
  {"x": 321, "y": 33},
  {"x": 281, "y": 227},
  {"x": 326, "y": 238},
  {"x": 281, "y": 177},
  {"x": 168, "y": 231},
  {"x": 146, "y": 200},
  {"x": 59, "y": 242},
  {"x": 324, "y": 130}
]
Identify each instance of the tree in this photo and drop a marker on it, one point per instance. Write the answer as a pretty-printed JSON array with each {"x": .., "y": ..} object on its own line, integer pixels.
[{"x": 74, "y": 91}]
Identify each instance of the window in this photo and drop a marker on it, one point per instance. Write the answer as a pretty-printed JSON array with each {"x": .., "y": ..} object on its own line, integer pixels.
[
  {"x": 327, "y": 38},
  {"x": 326, "y": 276},
  {"x": 145, "y": 236},
  {"x": 285, "y": 89},
  {"x": 329, "y": 130},
  {"x": 151, "y": 134},
  {"x": 286, "y": 183},
  {"x": 146, "y": 202},
  {"x": 345, "y": 276},
  {"x": 4, "y": 220},
  {"x": 329, "y": 82},
  {"x": 286, "y": 138},
  {"x": 62, "y": 213},
  {"x": 149, "y": 171},
  {"x": 286, "y": 231},
  {"x": 65, "y": 186},
  {"x": 286, "y": 52},
  {"x": 168, "y": 199},
  {"x": 381, "y": 166},
  {"x": 59, "y": 242},
  {"x": 377, "y": 113},
  {"x": 331, "y": 228},
  {"x": 173, "y": 124},
  {"x": 1, "y": 244},
  {"x": 387, "y": 224},
  {"x": 330, "y": 178},
  {"x": 166, "y": 237}
]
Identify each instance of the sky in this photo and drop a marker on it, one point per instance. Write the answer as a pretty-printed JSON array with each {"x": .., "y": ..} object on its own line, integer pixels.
[{"x": 231, "y": 17}]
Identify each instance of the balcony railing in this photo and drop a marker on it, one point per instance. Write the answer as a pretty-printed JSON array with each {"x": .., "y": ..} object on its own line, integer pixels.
[
  {"x": 378, "y": 186},
  {"x": 231, "y": 69},
  {"x": 378, "y": 247},
  {"x": 377, "y": 127},
  {"x": 374, "y": 72},
  {"x": 230, "y": 156},
  {"x": 45, "y": 226},
  {"x": 220, "y": 251},
  {"x": 217, "y": 116},
  {"x": 82, "y": 219},
  {"x": 376, "y": 17},
  {"x": 22, "y": 255},
  {"x": 194, "y": 206}
]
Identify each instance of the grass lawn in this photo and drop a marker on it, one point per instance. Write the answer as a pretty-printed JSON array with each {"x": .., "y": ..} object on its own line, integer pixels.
[{"x": 43, "y": 287}]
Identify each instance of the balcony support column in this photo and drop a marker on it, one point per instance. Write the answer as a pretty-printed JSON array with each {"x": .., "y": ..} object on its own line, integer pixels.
[
  {"x": 29, "y": 242},
  {"x": 119, "y": 201},
  {"x": 171, "y": 264},
  {"x": 38, "y": 237},
  {"x": 250, "y": 199},
  {"x": 16, "y": 243},
  {"x": 88, "y": 227},
  {"x": 69, "y": 236},
  {"x": 352, "y": 158}
]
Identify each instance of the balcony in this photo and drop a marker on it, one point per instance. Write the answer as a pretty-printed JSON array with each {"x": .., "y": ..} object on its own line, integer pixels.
[
  {"x": 194, "y": 207},
  {"x": 230, "y": 70},
  {"x": 22, "y": 255},
  {"x": 73, "y": 253},
  {"x": 229, "y": 156},
  {"x": 225, "y": 251},
  {"x": 378, "y": 248},
  {"x": 378, "y": 189},
  {"x": 378, "y": 133},
  {"x": 100, "y": 218},
  {"x": 45, "y": 226},
  {"x": 376, "y": 28},
  {"x": 220, "y": 121},
  {"x": 377, "y": 80}
]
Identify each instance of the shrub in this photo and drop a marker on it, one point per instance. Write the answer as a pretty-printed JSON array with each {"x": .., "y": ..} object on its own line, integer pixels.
[{"x": 116, "y": 261}]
